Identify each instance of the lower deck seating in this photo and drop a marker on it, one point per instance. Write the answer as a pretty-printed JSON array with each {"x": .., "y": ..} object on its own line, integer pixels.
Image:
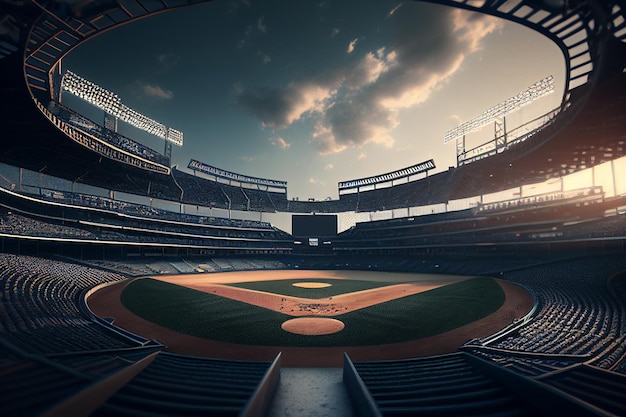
[
  {"x": 593, "y": 385},
  {"x": 21, "y": 396},
  {"x": 437, "y": 386},
  {"x": 174, "y": 385},
  {"x": 39, "y": 300},
  {"x": 578, "y": 311},
  {"x": 170, "y": 385},
  {"x": 461, "y": 384}
]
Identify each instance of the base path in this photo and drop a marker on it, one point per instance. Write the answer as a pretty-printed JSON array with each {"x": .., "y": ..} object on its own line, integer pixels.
[
  {"x": 301, "y": 307},
  {"x": 106, "y": 303}
]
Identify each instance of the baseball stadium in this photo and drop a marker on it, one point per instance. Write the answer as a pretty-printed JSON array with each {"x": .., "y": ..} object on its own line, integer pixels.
[{"x": 134, "y": 287}]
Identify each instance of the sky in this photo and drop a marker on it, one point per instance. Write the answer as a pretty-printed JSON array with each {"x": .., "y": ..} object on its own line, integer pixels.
[{"x": 314, "y": 92}]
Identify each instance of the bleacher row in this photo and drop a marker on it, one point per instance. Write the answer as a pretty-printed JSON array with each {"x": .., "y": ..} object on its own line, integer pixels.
[
  {"x": 187, "y": 265},
  {"x": 40, "y": 306},
  {"x": 138, "y": 232},
  {"x": 161, "y": 384},
  {"x": 443, "y": 385},
  {"x": 31, "y": 216},
  {"x": 58, "y": 195},
  {"x": 574, "y": 218},
  {"x": 460, "y": 384},
  {"x": 191, "y": 386},
  {"x": 578, "y": 313},
  {"x": 580, "y": 216},
  {"x": 206, "y": 192}
]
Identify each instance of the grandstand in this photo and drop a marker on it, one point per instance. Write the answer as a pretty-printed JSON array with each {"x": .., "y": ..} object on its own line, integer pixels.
[{"x": 83, "y": 208}]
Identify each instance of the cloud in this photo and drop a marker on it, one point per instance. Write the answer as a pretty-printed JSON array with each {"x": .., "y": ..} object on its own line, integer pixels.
[
  {"x": 266, "y": 59},
  {"x": 457, "y": 119},
  {"x": 394, "y": 10},
  {"x": 428, "y": 48},
  {"x": 251, "y": 30},
  {"x": 234, "y": 6},
  {"x": 155, "y": 91},
  {"x": 278, "y": 107},
  {"x": 352, "y": 45},
  {"x": 244, "y": 39},
  {"x": 368, "y": 69},
  {"x": 315, "y": 181},
  {"x": 329, "y": 167},
  {"x": 352, "y": 123},
  {"x": 167, "y": 61},
  {"x": 359, "y": 103},
  {"x": 334, "y": 32},
  {"x": 248, "y": 158},
  {"x": 280, "y": 142},
  {"x": 361, "y": 156},
  {"x": 260, "y": 24}
]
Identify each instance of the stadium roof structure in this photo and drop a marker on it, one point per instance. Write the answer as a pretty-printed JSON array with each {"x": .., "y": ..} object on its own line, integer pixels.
[
  {"x": 37, "y": 35},
  {"x": 390, "y": 176},
  {"x": 233, "y": 176}
]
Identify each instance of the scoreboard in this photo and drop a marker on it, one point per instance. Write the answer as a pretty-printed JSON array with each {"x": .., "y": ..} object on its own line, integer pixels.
[
  {"x": 314, "y": 225},
  {"x": 313, "y": 232}
]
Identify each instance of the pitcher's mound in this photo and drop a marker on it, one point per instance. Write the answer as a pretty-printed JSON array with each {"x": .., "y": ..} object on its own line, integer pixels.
[
  {"x": 312, "y": 284},
  {"x": 312, "y": 326}
]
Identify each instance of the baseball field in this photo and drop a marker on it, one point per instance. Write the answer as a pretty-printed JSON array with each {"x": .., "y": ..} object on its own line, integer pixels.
[{"x": 312, "y": 316}]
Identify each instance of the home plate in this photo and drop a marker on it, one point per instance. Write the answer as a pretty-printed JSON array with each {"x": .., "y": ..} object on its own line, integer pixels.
[{"x": 313, "y": 326}]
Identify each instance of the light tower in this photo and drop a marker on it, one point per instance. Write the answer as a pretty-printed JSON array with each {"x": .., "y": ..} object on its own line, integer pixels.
[
  {"x": 497, "y": 114},
  {"x": 115, "y": 110}
]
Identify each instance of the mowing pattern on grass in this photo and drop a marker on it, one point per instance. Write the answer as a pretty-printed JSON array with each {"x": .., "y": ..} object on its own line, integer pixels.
[{"x": 416, "y": 316}]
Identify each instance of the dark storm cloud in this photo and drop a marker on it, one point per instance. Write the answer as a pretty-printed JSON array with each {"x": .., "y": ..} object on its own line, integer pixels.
[
  {"x": 278, "y": 107},
  {"x": 348, "y": 122},
  {"x": 270, "y": 104},
  {"x": 428, "y": 46},
  {"x": 362, "y": 102}
]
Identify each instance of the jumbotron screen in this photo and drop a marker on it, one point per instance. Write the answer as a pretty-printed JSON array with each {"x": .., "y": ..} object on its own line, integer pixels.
[{"x": 309, "y": 225}]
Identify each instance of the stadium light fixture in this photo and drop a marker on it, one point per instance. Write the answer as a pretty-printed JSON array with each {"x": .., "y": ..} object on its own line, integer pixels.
[
  {"x": 535, "y": 91},
  {"x": 112, "y": 104}
]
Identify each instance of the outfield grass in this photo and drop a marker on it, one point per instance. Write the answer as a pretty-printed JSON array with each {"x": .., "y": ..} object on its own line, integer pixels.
[{"x": 416, "y": 316}]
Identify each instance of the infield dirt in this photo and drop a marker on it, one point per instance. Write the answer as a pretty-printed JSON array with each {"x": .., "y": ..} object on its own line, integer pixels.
[{"x": 300, "y": 306}]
